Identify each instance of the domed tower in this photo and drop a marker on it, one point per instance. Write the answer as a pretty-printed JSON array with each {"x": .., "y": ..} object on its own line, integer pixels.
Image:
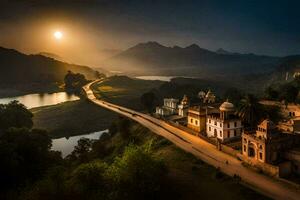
[
  {"x": 201, "y": 95},
  {"x": 209, "y": 97},
  {"x": 183, "y": 106},
  {"x": 226, "y": 109},
  {"x": 185, "y": 100},
  {"x": 265, "y": 129}
]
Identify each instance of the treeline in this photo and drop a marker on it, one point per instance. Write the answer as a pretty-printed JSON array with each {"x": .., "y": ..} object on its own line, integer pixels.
[
  {"x": 288, "y": 92},
  {"x": 118, "y": 166}
]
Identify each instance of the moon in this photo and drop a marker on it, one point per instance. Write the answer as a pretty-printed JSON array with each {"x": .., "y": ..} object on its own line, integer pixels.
[{"x": 58, "y": 35}]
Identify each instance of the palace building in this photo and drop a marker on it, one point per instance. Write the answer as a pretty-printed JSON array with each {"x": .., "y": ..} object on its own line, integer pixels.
[
  {"x": 224, "y": 125},
  {"x": 267, "y": 144},
  {"x": 291, "y": 114},
  {"x": 197, "y": 118}
]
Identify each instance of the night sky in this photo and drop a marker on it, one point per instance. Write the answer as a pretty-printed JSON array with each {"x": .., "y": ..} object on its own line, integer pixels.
[{"x": 93, "y": 27}]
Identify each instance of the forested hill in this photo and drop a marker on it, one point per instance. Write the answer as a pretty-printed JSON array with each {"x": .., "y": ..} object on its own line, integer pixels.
[{"x": 17, "y": 68}]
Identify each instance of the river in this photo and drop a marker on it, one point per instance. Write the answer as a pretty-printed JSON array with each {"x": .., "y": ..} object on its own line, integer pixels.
[
  {"x": 44, "y": 99},
  {"x": 162, "y": 78},
  {"x": 154, "y": 78},
  {"x": 66, "y": 145}
]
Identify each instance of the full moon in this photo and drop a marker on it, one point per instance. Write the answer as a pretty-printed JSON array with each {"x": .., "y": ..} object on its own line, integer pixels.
[{"x": 58, "y": 35}]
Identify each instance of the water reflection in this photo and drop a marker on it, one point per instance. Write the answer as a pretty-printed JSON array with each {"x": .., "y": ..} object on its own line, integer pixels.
[
  {"x": 66, "y": 145},
  {"x": 45, "y": 99},
  {"x": 153, "y": 78}
]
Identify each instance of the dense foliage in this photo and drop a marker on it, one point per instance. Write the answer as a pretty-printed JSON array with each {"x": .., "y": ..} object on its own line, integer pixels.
[
  {"x": 288, "y": 91},
  {"x": 96, "y": 169},
  {"x": 74, "y": 81},
  {"x": 16, "y": 115}
]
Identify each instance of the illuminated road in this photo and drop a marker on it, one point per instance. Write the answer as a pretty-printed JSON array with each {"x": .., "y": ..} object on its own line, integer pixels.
[{"x": 207, "y": 152}]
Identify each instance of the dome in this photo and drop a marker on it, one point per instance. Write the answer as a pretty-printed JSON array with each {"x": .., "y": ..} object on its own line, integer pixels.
[
  {"x": 185, "y": 100},
  {"x": 227, "y": 106},
  {"x": 201, "y": 94}
]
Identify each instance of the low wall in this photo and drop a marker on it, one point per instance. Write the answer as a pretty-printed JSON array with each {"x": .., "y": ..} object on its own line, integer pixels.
[
  {"x": 265, "y": 168},
  {"x": 229, "y": 150},
  {"x": 188, "y": 130}
]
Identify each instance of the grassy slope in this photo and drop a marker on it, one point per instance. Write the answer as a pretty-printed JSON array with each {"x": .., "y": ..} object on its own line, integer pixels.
[
  {"x": 191, "y": 178},
  {"x": 72, "y": 118},
  {"x": 124, "y": 91}
]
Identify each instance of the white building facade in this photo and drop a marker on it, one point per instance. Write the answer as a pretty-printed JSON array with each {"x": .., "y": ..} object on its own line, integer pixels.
[
  {"x": 169, "y": 107},
  {"x": 224, "y": 126}
]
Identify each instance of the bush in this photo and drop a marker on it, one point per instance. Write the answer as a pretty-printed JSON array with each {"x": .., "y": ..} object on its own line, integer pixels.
[
  {"x": 88, "y": 181},
  {"x": 137, "y": 175}
]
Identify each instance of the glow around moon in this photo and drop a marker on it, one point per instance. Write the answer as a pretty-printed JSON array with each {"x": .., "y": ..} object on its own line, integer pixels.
[{"x": 58, "y": 35}]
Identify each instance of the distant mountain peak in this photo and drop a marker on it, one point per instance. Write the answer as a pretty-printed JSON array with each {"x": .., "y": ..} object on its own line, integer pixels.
[
  {"x": 151, "y": 44},
  {"x": 193, "y": 46},
  {"x": 223, "y": 51}
]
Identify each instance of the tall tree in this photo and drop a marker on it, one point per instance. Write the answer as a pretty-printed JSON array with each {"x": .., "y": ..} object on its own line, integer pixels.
[
  {"x": 148, "y": 100},
  {"x": 74, "y": 81},
  {"x": 250, "y": 110},
  {"x": 15, "y": 115}
]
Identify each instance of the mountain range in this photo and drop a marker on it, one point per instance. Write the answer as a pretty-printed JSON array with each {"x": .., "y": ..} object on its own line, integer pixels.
[
  {"x": 151, "y": 58},
  {"x": 156, "y": 59}
]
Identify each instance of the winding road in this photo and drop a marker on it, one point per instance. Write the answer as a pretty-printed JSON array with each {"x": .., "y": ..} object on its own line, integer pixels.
[{"x": 271, "y": 187}]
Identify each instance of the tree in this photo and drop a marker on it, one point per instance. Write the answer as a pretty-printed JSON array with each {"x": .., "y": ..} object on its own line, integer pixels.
[
  {"x": 25, "y": 156},
  {"x": 233, "y": 94},
  {"x": 250, "y": 110},
  {"x": 74, "y": 81},
  {"x": 271, "y": 93},
  {"x": 137, "y": 175},
  {"x": 16, "y": 115},
  {"x": 289, "y": 93},
  {"x": 123, "y": 127},
  {"x": 81, "y": 150},
  {"x": 148, "y": 101},
  {"x": 88, "y": 181}
]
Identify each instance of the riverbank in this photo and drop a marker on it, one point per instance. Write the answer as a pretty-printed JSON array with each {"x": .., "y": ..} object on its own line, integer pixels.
[{"x": 72, "y": 118}]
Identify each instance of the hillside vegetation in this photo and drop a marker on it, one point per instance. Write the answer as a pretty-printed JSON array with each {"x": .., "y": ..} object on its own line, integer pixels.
[{"x": 21, "y": 71}]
